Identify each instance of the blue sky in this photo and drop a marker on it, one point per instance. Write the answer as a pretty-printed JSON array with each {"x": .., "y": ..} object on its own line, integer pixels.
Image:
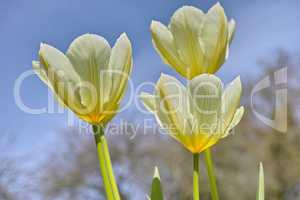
[{"x": 262, "y": 27}]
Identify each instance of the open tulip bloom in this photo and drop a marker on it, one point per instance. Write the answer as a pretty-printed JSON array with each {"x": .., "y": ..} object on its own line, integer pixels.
[
  {"x": 90, "y": 79},
  {"x": 194, "y": 42},
  {"x": 197, "y": 116}
]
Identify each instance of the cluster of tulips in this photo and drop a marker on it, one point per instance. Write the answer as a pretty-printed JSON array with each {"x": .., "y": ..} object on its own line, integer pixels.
[{"x": 91, "y": 78}]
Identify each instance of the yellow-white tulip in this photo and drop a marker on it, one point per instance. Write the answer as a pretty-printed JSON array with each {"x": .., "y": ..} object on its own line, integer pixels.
[
  {"x": 90, "y": 78},
  {"x": 197, "y": 116},
  {"x": 194, "y": 42}
]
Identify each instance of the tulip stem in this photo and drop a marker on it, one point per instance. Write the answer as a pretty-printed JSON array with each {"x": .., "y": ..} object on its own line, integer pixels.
[
  {"x": 109, "y": 182},
  {"x": 211, "y": 175},
  {"x": 196, "y": 177}
]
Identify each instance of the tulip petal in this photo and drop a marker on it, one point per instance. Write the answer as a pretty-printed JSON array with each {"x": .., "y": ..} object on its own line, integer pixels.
[
  {"x": 163, "y": 42},
  {"x": 174, "y": 95},
  {"x": 40, "y": 72},
  {"x": 231, "y": 30},
  {"x": 89, "y": 53},
  {"x": 214, "y": 38},
  {"x": 236, "y": 119},
  {"x": 206, "y": 96},
  {"x": 173, "y": 104},
  {"x": 43, "y": 76},
  {"x": 165, "y": 121},
  {"x": 230, "y": 101},
  {"x": 148, "y": 101},
  {"x": 120, "y": 64},
  {"x": 55, "y": 61},
  {"x": 186, "y": 27},
  {"x": 61, "y": 76}
]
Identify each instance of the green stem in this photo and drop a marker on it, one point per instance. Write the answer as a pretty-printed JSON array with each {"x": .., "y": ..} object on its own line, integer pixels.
[
  {"x": 196, "y": 177},
  {"x": 211, "y": 175},
  {"x": 110, "y": 185}
]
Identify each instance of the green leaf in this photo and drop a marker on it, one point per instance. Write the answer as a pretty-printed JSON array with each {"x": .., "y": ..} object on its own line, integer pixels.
[
  {"x": 261, "y": 184},
  {"x": 156, "y": 188}
]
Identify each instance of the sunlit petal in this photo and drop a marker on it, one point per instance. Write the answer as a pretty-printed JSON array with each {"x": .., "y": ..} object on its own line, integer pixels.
[
  {"x": 163, "y": 42},
  {"x": 174, "y": 99},
  {"x": 148, "y": 101},
  {"x": 231, "y": 100},
  {"x": 236, "y": 119},
  {"x": 206, "y": 98},
  {"x": 186, "y": 26},
  {"x": 120, "y": 64},
  {"x": 215, "y": 37}
]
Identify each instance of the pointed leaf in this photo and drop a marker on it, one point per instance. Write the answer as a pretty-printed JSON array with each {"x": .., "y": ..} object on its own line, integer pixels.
[
  {"x": 261, "y": 184},
  {"x": 156, "y": 188}
]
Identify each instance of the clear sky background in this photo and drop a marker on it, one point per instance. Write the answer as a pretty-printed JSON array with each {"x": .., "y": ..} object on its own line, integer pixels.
[{"x": 262, "y": 27}]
